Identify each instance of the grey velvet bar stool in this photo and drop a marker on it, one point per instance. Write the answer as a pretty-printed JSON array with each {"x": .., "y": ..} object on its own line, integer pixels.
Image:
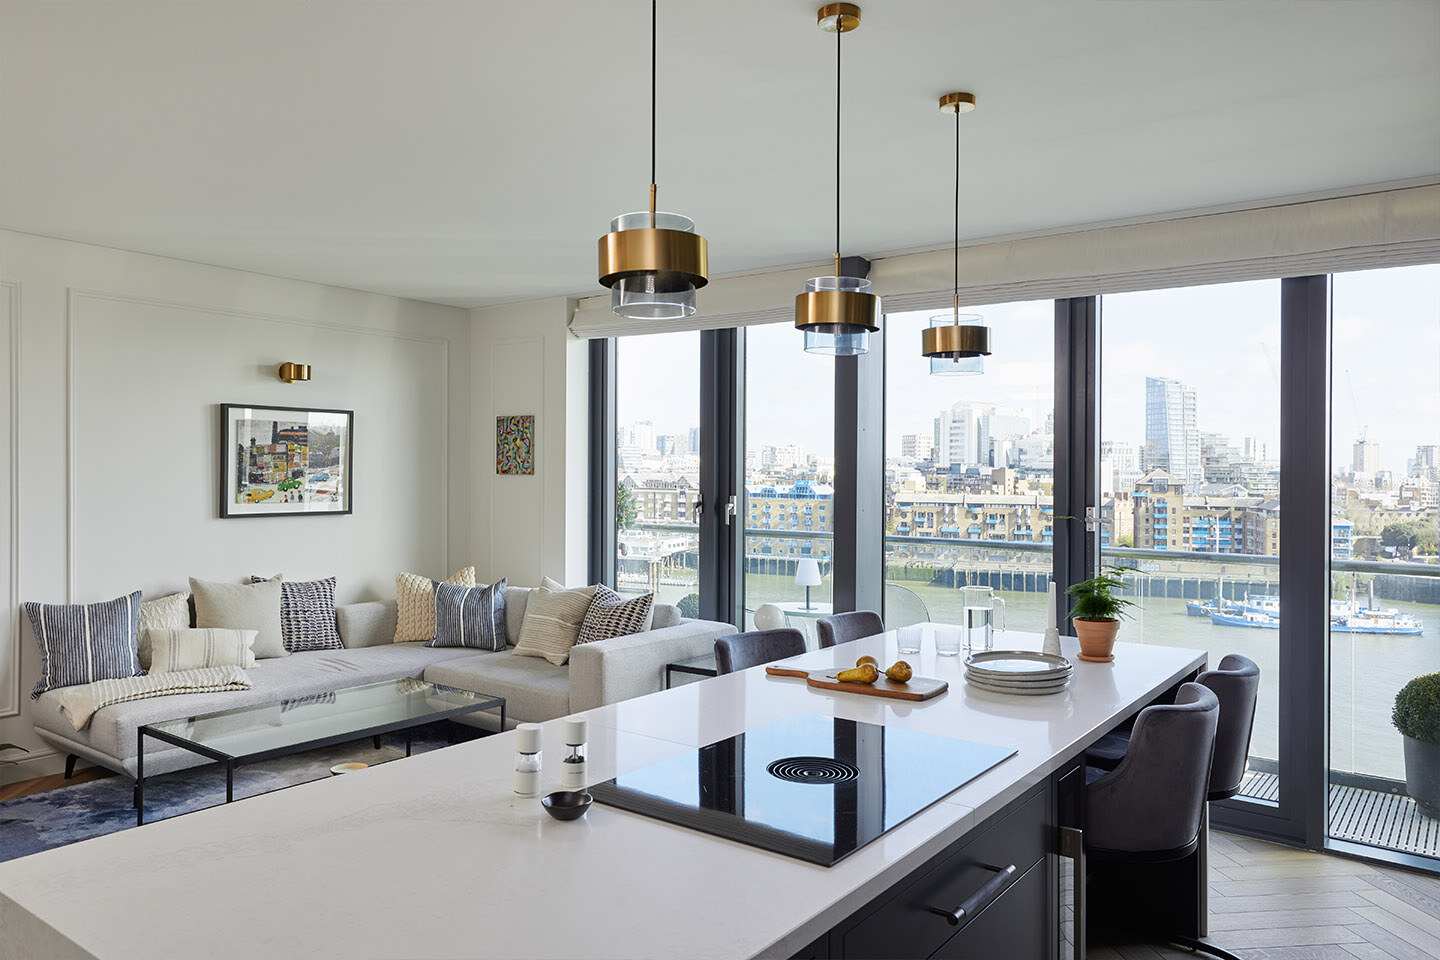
[
  {"x": 1236, "y": 682},
  {"x": 1146, "y": 817},
  {"x": 742, "y": 650},
  {"x": 844, "y": 627}
]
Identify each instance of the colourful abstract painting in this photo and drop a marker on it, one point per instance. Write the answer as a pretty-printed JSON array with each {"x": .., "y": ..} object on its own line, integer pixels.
[{"x": 515, "y": 445}]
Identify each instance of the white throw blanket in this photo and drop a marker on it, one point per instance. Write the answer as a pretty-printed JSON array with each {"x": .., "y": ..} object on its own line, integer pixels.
[{"x": 82, "y": 700}]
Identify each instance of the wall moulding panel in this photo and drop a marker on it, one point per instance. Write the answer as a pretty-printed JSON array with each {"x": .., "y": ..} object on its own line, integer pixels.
[
  {"x": 12, "y": 693},
  {"x": 145, "y": 379}
]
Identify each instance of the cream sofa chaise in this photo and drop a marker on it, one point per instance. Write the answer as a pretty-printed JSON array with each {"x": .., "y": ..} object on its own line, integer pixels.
[{"x": 534, "y": 689}]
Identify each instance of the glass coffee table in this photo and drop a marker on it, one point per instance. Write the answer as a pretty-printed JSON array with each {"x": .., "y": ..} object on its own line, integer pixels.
[{"x": 262, "y": 731}]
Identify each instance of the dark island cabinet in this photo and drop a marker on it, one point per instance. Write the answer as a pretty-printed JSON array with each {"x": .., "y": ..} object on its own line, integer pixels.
[{"x": 992, "y": 895}]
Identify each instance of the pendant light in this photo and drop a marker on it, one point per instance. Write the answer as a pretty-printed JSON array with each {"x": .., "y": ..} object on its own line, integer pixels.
[
  {"x": 837, "y": 313},
  {"x": 653, "y": 262},
  {"x": 956, "y": 343}
]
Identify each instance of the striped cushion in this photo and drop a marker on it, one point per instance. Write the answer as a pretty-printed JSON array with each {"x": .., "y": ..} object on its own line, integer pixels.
[
  {"x": 307, "y": 614},
  {"x": 552, "y": 621},
  {"x": 415, "y": 603},
  {"x": 611, "y": 615},
  {"x": 162, "y": 613},
  {"x": 469, "y": 616},
  {"x": 82, "y": 644},
  {"x": 187, "y": 649}
]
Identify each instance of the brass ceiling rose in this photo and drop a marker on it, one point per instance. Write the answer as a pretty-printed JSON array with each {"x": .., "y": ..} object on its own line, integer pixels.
[
  {"x": 955, "y": 341},
  {"x": 838, "y": 17},
  {"x": 957, "y": 103}
]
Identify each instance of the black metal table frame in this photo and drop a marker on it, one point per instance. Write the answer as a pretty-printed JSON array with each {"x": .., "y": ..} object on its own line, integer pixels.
[
  {"x": 680, "y": 667},
  {"x": 231, "y": 762}
]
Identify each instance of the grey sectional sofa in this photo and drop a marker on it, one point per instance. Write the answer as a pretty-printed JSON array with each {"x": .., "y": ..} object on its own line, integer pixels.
[{"x": 534, "y": 689}]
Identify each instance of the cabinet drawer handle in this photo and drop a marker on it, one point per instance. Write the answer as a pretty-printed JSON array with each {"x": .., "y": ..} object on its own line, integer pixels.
[{"x": 980, "y": 899}]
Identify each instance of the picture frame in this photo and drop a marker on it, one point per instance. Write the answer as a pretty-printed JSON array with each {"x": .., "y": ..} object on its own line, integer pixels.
[
  {"x": 515, "y": 445},
  {"x": 305, "y": 469}
]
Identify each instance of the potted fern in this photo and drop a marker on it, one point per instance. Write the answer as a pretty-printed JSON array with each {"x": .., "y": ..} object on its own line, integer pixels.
[
  {"x": 1097, "y": 612},
  {"x": 1417, "y": 717}
]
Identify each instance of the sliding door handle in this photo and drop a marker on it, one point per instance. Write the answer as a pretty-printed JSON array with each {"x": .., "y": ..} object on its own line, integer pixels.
[
  {"x": 730, "y": 510},
  {"x": 988, "y": 893},
  {"x": 1072, "y": 847}
]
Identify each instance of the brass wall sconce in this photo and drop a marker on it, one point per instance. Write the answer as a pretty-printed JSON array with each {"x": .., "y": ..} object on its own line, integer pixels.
[{"x": 291, "y": 372}]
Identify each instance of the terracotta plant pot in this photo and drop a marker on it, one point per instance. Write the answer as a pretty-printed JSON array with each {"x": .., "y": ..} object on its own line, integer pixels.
[{"x": 1097, "y": 639}]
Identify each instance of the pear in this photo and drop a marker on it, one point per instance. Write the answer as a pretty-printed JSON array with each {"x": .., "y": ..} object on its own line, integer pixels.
[
  {"x": 865, "y": 673},
  {"x": 870, "y": 660},
  {"x": 899, "y": 672}
]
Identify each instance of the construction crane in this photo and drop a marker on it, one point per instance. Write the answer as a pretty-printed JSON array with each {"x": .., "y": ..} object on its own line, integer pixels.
[{"x": 1364, "y": 430}]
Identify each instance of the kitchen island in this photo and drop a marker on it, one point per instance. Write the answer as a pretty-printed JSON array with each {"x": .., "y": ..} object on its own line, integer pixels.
[{"x": 435, "y": 857}]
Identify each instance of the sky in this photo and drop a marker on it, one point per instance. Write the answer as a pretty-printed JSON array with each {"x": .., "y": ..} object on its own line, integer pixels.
[{"x": 1224, "y": 340}]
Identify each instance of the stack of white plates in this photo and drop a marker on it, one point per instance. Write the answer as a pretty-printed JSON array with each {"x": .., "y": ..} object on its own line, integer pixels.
[{"x": 1019, "y": 672}]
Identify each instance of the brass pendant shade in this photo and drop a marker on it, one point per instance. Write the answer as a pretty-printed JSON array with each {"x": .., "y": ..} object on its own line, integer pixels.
[
  {"x": 653, "y": 262},
  {"x": 837, "y": 314},
  {"x": 956, "y": 343}
]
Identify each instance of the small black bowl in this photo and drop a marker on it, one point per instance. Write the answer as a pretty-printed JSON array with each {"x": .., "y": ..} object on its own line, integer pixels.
[{"x": 567, "y": 804}]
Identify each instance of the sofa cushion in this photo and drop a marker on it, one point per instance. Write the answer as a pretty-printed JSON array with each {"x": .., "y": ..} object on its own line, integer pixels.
[
  {"x": 471, "y": 617},
  {"x": 243, "y": 606},
  {"x": 307, "y": 614},
  {"x": 415, "y": 600},
  {"x": 82, "y": 643},
  {"x": 112, "y": 729},
  {"x": 188, "y": 649},
  {"x": 611, "y": 615},
  {"x": 162, "y": 613},
  {"x": 666, "y": 615},
  {"x": 366, "y": 624},
  {"x": 535, "y": 690},
  {"x": 517, "y": 601},
  {"x": 552, "y": 621}
]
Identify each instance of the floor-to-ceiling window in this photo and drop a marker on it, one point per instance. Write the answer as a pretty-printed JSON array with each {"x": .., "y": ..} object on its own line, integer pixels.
[
  {"x": 970, "y": 470},
  {"x": 657, "y": 467},
  {"x": 1189, "y": 478},
  {"x": 789, "y": 415},
  {"x": 1385, "y": 518}
]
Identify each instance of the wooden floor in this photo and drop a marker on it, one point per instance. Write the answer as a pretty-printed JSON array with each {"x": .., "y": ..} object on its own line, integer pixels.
[
  {"x": 1269, "y": 902},
  {"x": 9, "y": 791}
]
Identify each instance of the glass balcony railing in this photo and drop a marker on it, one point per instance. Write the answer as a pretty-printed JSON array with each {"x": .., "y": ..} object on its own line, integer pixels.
[{"x": 923, "y": 577}]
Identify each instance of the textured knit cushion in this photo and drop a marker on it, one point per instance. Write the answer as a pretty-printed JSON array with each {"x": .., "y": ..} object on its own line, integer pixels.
[
  {"x": 415, "y": 600},
  {"x": 82, "y": 644},
  {"x": 469, "y": 616},
  {"x": 243, "y": 606},
  {"x": 187, "y": 649},
  {"x": 163, "y": 613},
  {"x": 611, "y": 615},
  {"x": 552, "y": 621},
  {"x": 307, "y": 614}
]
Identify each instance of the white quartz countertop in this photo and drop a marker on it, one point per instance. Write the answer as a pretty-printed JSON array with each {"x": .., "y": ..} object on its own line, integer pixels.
[{"x": 434, "y": 856}]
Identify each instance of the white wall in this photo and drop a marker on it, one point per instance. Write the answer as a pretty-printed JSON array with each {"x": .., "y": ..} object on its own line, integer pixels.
[
  {"x": 114, "y": 364},
  {"x": 526, "y": 362}
]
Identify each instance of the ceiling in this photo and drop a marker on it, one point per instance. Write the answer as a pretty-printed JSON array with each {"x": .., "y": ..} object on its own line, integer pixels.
[{"x": 472, "y": 152}]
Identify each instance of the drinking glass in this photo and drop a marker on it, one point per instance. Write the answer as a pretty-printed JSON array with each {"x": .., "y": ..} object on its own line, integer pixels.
[
  {"x": 947, "y": 641},
  {"x": 909, "y": 639}
]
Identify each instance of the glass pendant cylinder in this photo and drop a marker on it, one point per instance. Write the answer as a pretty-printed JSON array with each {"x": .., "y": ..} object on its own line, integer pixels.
[
  {"x": 653, "y": 294},
  {"x": 840, "y": 338},
  {"x": 957, "y": 364}
]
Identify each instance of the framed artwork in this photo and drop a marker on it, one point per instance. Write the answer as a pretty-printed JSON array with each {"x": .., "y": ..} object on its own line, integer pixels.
[
  {"x": 515, "y": 445},
  {"x": 284, "y": 461}
]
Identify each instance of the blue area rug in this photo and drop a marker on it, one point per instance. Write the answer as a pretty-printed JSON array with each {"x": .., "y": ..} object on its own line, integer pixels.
[{"x": 43, "y": 821}]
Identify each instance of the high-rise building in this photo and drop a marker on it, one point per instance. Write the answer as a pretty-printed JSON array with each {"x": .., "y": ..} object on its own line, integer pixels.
[
  {"x": 1366, "y": 460},
  {"x": 695, "y": 440},
  {"x": 1172, "y": 439},
  {"x": 957, "y": 435},
  {"x": 917, "y": 446},
  {"x": 642, "y": 434},
  {"x": 1119, "y": 467}
]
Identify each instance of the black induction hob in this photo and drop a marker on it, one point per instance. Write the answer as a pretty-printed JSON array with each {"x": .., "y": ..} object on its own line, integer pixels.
[{"x": 811, "y": 787}]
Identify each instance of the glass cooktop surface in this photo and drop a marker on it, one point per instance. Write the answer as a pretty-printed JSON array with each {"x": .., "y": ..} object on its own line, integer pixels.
[{"x": 808, "y": 786}]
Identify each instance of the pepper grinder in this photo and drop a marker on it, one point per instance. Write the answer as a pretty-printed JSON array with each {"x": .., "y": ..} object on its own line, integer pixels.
[
  {"x": 575, "y": 731},
  {"x": 527, "y": 760},
  {"x": 1052, "y": 628}
]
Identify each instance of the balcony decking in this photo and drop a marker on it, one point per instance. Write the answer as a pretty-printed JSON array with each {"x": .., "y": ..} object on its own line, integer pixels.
[{"x": 1372, "y": 817}]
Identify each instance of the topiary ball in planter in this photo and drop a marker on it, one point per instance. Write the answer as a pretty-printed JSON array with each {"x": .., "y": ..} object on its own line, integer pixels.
[{"x": 1417, "y": 717}]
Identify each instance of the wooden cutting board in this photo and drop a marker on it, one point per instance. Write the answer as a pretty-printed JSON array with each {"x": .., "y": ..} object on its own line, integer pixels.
[{"x": 918, "y": 688}]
